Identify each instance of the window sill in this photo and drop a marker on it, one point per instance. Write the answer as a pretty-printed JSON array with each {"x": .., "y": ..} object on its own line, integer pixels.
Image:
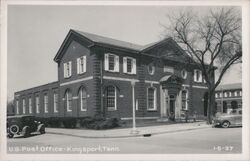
[
  {"x": 129, "y": 73},
  {"x": 152, "y": 110},
  {"x": 81, "y": 73},
  {"x": 198, "y": 81},
  {"x": 83, "y": 110},
  {"x": 67, "y": 77},
  {"x": 111, "y": 71}
]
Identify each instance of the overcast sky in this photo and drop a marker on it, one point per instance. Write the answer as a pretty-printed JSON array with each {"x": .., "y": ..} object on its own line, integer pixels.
[{"x": 35, "y": 34}]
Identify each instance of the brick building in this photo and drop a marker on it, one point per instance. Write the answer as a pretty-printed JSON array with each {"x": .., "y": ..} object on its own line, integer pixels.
[
  {"x": 228, "y": 97},
  {"x": 98, "y": 76}
]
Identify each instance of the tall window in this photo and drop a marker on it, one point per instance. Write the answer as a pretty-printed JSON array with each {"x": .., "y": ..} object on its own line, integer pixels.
[
  {"x": 30, "y": 105},
  {"x": 67, "y": 69},
  {"x": 55, "y": 97},
  {"x": 81, "y": 65},
  {"x": 111, "y": 98},
  {"x": 111, "y": 62},
  {"x": 68, "y": 100},
  {"x": 184, "y": 100},
  {"x": 129, "y": 65},
  {"x": 238, "y": 93},
  {"x": 17, "y": 107},
  {"x": 235, "y": 94},
  {"x": 24, "y": 106},
  {"x": 37, "y": 104},
  {"x": 225, "y": 94},
  {"x": 46, "y": 101},
  {"x": 197, "y": 75},
  {"x": 151, "y": 98},
  {"x": 216, "y": 95},
  {"x": 83, "y": 99}
]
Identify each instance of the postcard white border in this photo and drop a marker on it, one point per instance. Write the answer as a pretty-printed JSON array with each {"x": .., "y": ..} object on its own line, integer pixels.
[{"x": 245, "y": 74}]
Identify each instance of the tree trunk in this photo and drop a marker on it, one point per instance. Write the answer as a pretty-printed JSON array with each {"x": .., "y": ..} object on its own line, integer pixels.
[{"x": 210, "y": 109}]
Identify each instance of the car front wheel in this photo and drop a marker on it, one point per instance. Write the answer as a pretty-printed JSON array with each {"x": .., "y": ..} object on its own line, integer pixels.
[
  {"x": 225, "y": 124},
  {"x": 26, "y": 132},
  {"x": 42, "y": 130},
  {"x": 14, "y": 129}
]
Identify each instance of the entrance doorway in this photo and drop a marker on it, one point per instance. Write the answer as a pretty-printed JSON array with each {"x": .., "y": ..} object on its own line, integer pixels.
[
  {"x": 172, "y": 107},
  {"x": 172, "y": 103}
]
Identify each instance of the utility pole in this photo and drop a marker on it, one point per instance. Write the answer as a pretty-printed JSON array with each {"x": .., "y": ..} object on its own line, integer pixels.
[{"x": 134, "y": 130}]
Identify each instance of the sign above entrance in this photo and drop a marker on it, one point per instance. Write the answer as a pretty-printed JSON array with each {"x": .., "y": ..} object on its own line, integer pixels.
[{"x": 168, "y": 69}]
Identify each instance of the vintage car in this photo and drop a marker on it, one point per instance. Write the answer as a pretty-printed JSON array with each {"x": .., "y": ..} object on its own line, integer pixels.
[
  {"x": 232, "y": 118},
  {"x": 23, "y": 125}
]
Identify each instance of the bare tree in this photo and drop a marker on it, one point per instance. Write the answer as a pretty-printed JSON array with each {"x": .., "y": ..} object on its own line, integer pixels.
[{"x": 210, "y": 40}]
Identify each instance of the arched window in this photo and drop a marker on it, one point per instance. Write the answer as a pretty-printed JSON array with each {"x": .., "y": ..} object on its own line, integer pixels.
[
  {"x": 111, "y": 98},
  {"x": 184, "y": 100},
  {"x": 151, "y": 98},
  {"x": 82, "y": 95},
  {"x": 68, "y": 98},
  {"x": 151, "y": 69},
  {"x": 184, "y": 73}
]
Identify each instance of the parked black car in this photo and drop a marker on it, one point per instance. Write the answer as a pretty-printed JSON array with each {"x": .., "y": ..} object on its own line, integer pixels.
[{"x": 23, "y": 125}]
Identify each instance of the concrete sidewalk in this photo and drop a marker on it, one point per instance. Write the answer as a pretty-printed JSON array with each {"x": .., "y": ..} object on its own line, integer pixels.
[{"x": 126, "y": 132}]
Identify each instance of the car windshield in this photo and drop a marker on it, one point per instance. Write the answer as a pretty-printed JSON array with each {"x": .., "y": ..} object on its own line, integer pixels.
[{"x": 12, "y": 120}]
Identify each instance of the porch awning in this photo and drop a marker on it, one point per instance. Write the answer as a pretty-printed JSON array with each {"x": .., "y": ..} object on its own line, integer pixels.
[{"x": 165, "y": 78}]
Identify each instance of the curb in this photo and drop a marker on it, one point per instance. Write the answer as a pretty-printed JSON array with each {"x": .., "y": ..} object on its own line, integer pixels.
[{"x": 127, "y": 136}]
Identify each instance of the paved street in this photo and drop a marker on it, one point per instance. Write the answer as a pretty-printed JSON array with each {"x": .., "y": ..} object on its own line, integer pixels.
[{"x": 209, "y": 140}]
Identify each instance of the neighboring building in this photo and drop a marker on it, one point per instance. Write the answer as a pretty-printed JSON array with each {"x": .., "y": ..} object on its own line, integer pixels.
[
  {"x": 10, "y": 108},
  {"x": 228, "y": 97},
  {"x": 97, "y": 76}
]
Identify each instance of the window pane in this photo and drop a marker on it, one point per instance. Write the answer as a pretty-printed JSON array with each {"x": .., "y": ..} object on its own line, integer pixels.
[
  {"x": 83, "y": 99},
  {"x": 111, "y": 62},
  {"x": 46, "y": 103},
  {"x": 37, "y": 105},
  {"x": 69, "y": 100},
  {"x": 184, "y": 99},
  {"x": 55, "y": 102},
  {"x": 24, "y": 106},
  {"x": 111, "y": 98},
  {"x": 129, "y": 65},
  {"x": 151, "y": 99},
  {"x": 30, "y": 105}
]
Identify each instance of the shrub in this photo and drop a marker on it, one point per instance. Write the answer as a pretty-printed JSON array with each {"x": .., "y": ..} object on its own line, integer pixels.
[
  {"x": 85, "y": 122},
  {"x": 69, "y": 122},
  {"x": 54, "y": 122},
  {"x": 106, "y": 124}
]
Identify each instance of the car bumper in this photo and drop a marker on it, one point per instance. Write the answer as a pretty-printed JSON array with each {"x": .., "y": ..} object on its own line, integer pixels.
[{"x": 217, "y": 122}]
